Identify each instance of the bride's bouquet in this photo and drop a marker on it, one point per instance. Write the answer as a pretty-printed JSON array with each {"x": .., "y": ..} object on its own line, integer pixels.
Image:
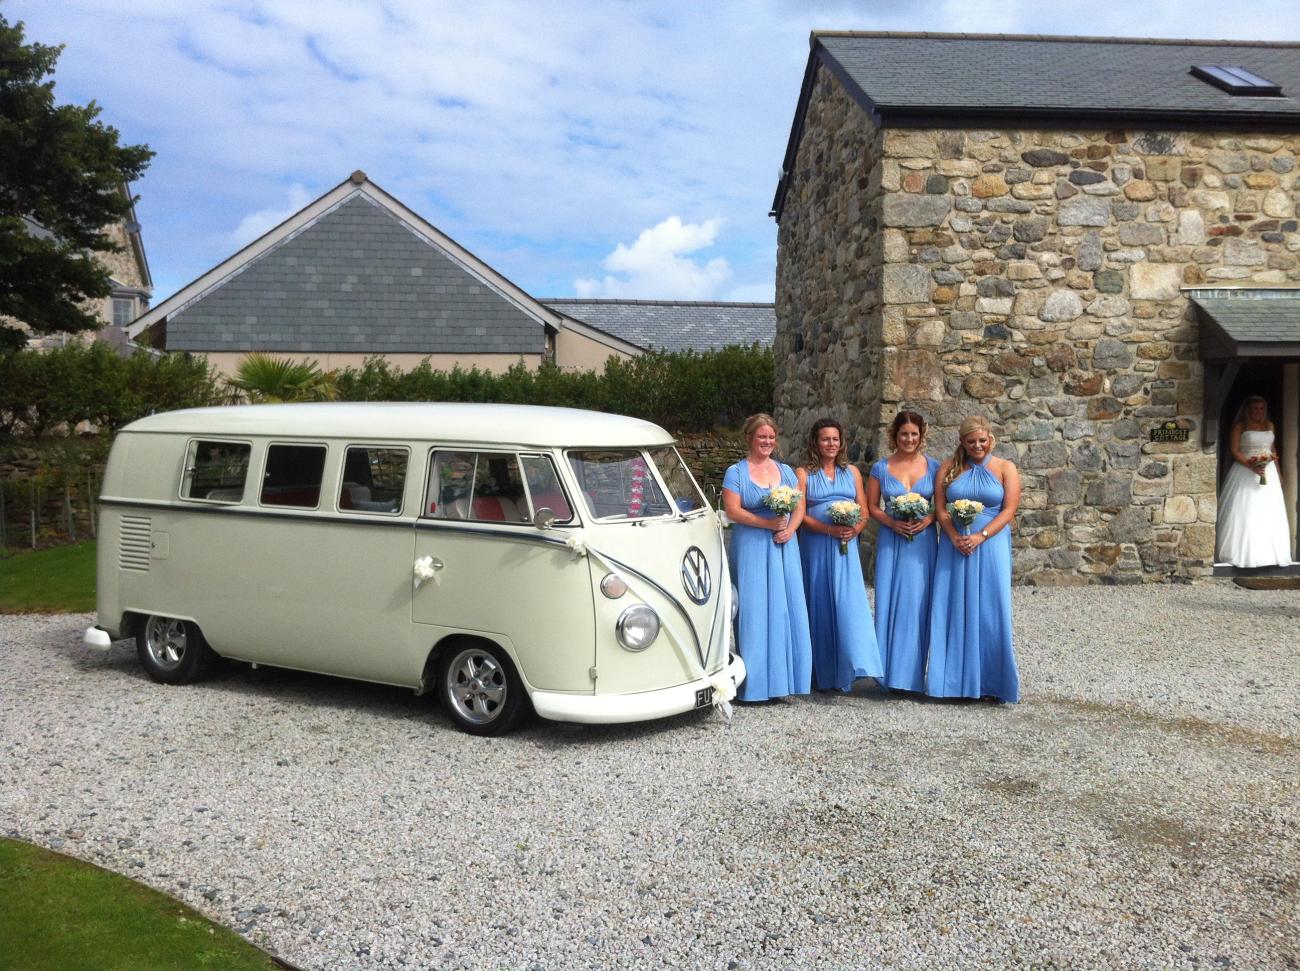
[
  {"x": 1261, "y": 466},
  {"x": 844, "y": 513},
  {"x": 910, "y": 507},
  {"x": 965, "y": 511}
]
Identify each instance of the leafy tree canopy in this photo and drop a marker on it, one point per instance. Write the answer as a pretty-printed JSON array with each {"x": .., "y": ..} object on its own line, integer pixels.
[{"x": 63, "y": 180}]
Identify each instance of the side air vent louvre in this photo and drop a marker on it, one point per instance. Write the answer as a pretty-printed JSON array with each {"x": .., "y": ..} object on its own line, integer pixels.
[{"x": 134, "y": 546}]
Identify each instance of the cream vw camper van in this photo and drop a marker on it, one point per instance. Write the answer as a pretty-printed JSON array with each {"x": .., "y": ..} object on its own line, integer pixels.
[{"x": 510, "y": 558}]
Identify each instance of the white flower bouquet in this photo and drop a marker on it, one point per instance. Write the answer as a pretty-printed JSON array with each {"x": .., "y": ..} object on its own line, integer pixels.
[
  {"x": 965, "y": 511},
  {"x": 783, "y": 500},
  {"x": 910, "y": 507},
  {"x": 844, "y": 513},
  {"x": 724, "y": 692},
  {"x": 423, "y": 571}
]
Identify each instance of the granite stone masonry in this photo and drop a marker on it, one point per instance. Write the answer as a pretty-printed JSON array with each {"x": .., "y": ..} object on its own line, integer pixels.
[{"x": 1033, "y": 276}]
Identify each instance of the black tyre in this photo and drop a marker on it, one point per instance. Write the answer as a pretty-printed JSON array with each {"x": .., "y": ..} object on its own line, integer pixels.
[
  {"x": 173, "y": 651},
  {"x": 480, "y": 689}
]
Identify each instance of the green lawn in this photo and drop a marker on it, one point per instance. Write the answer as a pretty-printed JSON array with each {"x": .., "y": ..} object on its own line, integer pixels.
[
  {"x": 60, "y": 579},
  {"x": 59, "y": 914}
]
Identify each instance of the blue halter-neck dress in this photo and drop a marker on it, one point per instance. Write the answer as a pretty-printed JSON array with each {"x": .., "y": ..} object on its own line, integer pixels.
[
  {"x": 843, "y": 636},
  {"x": 772, "y": 619},
  {"x": 971, "y": 651},
  {"x": 904, "y": 572}
]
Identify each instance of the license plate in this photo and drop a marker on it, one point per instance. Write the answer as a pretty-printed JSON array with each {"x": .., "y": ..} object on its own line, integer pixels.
[{"x": 704, "y": 697}]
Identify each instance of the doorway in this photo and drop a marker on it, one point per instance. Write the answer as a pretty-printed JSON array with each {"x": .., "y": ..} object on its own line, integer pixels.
[{"x": 1275, "y": 379}]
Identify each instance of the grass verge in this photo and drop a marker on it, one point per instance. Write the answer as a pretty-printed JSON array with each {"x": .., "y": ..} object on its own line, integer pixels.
[
  {"x": 57, "y": 580},
  {"x": 59, "y": 914}
]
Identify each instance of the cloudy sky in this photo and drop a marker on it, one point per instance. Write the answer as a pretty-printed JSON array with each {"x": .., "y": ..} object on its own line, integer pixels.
[{"x": 608, "y": 148}]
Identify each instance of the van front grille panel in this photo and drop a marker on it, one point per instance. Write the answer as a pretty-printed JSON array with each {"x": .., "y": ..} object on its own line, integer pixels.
[{"x": 135, "y": 545}]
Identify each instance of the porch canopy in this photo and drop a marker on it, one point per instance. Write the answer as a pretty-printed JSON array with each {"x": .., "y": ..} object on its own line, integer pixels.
[{"x": 1241, "y": 324}]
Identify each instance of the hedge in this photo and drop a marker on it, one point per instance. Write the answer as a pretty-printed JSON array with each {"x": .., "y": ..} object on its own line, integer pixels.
[
  {"x": 684, "y": 391},
  {"x": 45, "y": 391}
]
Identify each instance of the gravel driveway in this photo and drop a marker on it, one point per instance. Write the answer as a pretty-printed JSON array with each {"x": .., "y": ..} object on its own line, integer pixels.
[{"x": 1139, "y": 809}]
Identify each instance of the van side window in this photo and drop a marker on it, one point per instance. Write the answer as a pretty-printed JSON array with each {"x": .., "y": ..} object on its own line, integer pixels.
[
  {"x": 477, "y": 486},
  {"x": 216, "y": 471},
  {"x": 544, "y": 487},
  {"x": 293, "y": 475},
  {"x": 373, "y": 479}
]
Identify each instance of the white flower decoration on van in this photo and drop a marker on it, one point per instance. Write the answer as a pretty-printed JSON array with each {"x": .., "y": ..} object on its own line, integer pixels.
[
  {"x": 423, "y": 570},
  {"x": 724, "y": 690},
  {"x": 577, "y": 544}
]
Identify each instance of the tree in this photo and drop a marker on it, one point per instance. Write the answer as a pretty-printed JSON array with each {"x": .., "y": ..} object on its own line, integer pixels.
[
  {"x": 63, "y": 179},
  {"x": 265, "y": 379}
]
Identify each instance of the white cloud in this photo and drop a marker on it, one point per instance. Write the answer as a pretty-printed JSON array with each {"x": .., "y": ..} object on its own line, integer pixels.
[
  {"x": 658, "y": 265},
  {"x": 256, "y": 223}
]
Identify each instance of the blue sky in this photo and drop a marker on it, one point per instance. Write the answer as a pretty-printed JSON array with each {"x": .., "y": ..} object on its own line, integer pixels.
[{"x": 609, "y": 148}]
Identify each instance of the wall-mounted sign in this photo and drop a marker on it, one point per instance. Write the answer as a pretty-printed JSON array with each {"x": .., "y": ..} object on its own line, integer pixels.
[{"x": 1170, "y": 431}]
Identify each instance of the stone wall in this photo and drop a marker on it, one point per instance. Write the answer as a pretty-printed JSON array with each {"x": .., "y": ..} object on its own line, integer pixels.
[
  {"x": 123, "y": 265},
  {"x": 709, "y": 454},
  {"x": 124, "y": 268},
  {"x": 828, "y": 337},
  {"x": 1034, "y": 277}
]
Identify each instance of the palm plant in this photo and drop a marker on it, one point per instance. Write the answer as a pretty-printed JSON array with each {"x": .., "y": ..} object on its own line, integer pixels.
[{"x": 265, "y": 379}]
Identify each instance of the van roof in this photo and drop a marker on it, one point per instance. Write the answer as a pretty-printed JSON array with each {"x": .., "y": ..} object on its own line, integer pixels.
[{"x": 527, "y": 425}]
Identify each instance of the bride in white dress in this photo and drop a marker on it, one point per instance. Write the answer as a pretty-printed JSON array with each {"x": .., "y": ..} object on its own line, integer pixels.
[{"x": 1253, "y": 528}]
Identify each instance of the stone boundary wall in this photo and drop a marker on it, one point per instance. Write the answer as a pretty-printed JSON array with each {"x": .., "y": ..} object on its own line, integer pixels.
[
  {"x": 709, "y": 454},
  {"x": 1033, "y": 277},
  {"x": 48, "y": 497}
]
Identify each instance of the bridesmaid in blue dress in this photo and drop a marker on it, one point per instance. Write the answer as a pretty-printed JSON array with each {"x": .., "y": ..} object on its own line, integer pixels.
[
  {"x": 772, "y": 620},
  {"x": 843, "y": 635},
  {"x": 971, "y": 653},
  {"x": 905, "y": 554}
]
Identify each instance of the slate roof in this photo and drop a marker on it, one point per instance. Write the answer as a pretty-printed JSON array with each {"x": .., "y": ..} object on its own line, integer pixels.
[
  {"x": 1248, "y": 322},
  {"x": 675, "y": 325},
  {"x": 356, "y": 279},
  {"x": 930, "y": 80},
  {"x": 1138, "y": 78}
]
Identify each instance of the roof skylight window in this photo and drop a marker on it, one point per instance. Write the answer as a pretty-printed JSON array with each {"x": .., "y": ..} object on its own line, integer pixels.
[{"x": 1236, "y": 80}]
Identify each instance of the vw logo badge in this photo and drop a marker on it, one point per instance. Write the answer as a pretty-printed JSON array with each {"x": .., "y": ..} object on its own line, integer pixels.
[{"x": 695, "y": 575}]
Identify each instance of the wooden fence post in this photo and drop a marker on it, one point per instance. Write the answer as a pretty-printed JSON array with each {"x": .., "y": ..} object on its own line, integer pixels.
[
  {"x": 67, "y": 507},
  {"x": 90, "y": 501}
]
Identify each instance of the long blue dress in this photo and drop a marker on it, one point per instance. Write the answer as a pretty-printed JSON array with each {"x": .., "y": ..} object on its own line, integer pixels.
[
  {"x": 772, "y": 620},
  {"x": 904, "y": 572},
  {"x": 971, "y": 654},
  {"x": 843, "y": 636}
]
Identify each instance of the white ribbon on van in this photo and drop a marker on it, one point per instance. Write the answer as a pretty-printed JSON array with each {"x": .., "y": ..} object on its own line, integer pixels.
[{"x": 424, "y": 571}]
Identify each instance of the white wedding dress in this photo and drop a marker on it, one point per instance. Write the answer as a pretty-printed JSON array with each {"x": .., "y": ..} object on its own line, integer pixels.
[{"x": 1252, "y": 529}]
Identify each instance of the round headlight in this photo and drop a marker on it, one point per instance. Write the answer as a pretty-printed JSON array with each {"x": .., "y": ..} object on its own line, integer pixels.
[
  {"x": 613, "y": 586},
  {"x": 735, "y": 601},
  {"x": 637, "y": 627}
]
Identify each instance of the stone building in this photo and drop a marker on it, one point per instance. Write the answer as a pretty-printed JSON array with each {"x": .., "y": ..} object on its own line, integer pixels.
[
  {"x": 132, "y": 286},
  {"x": 1092, "y": 241}
]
